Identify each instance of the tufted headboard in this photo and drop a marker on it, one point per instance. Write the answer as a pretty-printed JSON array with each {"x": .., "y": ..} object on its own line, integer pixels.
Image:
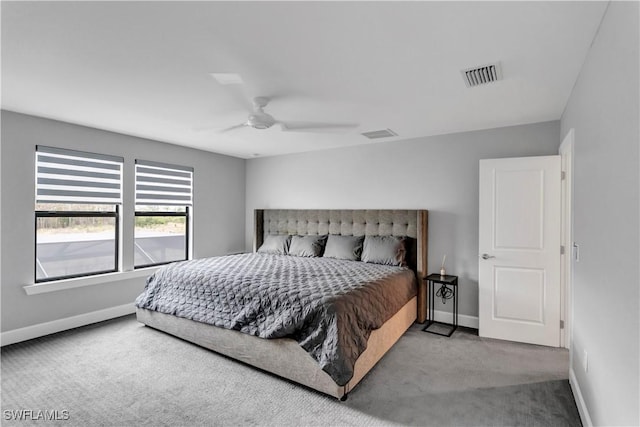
[{"x": 368, "y": 222}]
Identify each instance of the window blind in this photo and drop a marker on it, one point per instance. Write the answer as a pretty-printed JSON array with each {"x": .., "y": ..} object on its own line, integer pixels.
[
  {"x": 69, "y": 176},
  {"x": 163, "y": 184}
]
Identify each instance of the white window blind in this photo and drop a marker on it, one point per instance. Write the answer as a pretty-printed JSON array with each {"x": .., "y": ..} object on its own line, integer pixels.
[
  {"x": 69, "y": 176},
  {"x": 163, "y": 184}
]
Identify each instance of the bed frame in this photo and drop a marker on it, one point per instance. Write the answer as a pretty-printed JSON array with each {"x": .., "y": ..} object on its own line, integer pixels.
[{"x": 284, "y": 356}]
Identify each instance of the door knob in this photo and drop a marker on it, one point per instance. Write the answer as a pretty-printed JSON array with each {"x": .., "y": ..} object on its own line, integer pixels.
[{"x": 486, "y": 256}]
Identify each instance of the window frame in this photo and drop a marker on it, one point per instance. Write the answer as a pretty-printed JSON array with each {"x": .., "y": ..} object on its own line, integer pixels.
[
  {"x": 55, "y": 183},
  {"x": 73, "y": 177},
  {"x": 115, "y": 214},
  {"x": 185, "y": 214},
  {"x": 164, "y": 184}
]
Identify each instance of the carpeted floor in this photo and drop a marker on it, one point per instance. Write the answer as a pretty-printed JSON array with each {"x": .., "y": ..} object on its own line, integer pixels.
[{"x": 121, "y": 373}]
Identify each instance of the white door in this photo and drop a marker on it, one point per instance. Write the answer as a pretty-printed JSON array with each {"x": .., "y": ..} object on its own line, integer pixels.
[{"x": 519, "y": 248}]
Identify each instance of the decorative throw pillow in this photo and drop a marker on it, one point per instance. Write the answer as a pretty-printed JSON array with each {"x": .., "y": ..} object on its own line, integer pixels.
[
  {"x": 307, "y": 246},
  {"x": 344, "y": 247},
  {"x": 275, "y": 244},
  {"x": 387, "y": 250}
]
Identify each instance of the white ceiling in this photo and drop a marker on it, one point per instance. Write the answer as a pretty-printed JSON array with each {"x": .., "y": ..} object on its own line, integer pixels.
[{"x": 142, "y": 68}]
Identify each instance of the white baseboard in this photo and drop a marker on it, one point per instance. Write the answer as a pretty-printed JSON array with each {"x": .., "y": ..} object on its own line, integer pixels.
[
  {"x": 580, "y": 403},
  {"x": 42, "y": 329},
  {"x": 463, "y": 319}
]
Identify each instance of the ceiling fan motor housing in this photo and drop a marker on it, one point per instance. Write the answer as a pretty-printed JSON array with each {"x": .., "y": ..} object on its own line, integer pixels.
[{"x": 261, "y": 120}]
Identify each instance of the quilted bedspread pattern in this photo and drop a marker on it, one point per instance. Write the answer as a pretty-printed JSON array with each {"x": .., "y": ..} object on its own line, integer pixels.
[{"x": 327, "y": 305}]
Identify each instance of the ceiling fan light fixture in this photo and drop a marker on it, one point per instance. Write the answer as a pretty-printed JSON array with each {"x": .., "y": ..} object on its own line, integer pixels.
[{"x": 260, "y": 120}]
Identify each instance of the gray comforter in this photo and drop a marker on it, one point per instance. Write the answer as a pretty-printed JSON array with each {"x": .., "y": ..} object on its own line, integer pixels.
[{"x": 327, "y": 305}]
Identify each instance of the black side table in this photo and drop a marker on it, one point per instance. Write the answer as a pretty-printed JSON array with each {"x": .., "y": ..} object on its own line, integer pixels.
[{"x": 444, "y": 282}]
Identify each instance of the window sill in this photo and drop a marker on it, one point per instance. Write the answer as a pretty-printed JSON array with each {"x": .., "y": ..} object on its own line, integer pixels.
[{"x": 79, "y": 282}]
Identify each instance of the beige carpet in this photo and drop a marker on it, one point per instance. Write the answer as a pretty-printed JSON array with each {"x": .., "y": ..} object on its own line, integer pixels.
[{"x": 122, "y": 373}]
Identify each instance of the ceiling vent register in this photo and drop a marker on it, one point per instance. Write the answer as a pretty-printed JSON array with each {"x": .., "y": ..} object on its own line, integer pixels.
[
  {"x": 482, "y": 75},
  {"x": 375, "y": 134}
]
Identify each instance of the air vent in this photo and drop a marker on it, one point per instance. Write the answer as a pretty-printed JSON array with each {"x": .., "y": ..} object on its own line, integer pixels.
[
  {"x": 482, "y": 75},
  {"x": 375, "y": 134}
]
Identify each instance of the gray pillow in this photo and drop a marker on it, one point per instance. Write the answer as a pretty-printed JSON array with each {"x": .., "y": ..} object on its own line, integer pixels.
[
  {"x": 344, "y": 247},
  {"x": 387, "y": 250},
  {"x": 275, "y": 244},
  {"x": 307, "y": 246}
]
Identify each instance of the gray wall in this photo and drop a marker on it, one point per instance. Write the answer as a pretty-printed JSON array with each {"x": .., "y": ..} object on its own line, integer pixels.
[
  {"x": 437, "y": 173},
  {"x": 603, "y": 109},
  {"x": 219, "y": 186}
]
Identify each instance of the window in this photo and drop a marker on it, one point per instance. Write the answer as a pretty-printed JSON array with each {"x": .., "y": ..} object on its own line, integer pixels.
[
  {"x": 163, "y": 202},
  {"x": 78, "y": 196}
]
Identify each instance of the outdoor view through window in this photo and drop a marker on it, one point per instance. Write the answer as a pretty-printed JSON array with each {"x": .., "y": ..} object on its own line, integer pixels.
[
  {"x": 75, "y": 239},
  {"x": 160, "y": 235}
]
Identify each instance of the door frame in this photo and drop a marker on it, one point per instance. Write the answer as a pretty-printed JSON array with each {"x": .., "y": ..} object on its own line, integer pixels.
[{"x": 566, "y": 260}]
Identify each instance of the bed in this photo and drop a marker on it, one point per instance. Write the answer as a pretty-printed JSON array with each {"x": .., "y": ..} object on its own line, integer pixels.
[{"x": 299, "y": 356}]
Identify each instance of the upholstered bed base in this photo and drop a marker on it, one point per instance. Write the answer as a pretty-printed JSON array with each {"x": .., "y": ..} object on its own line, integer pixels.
[{"x": 283, "y": 357}]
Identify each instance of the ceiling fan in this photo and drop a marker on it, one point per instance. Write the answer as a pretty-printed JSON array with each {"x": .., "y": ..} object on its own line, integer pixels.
[{"x": 258, "y": 119}]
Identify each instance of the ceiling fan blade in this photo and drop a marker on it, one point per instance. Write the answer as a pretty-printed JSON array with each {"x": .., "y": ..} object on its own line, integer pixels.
[
  {"x": 277, "y": 96},
  {"x": 317, "y": 127},
  {"x": 241, "y": 98},
  {"x": 204, "y": 128},
  {"x": 217, "y": 128},
  {"x": 234, "y": 127}
]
